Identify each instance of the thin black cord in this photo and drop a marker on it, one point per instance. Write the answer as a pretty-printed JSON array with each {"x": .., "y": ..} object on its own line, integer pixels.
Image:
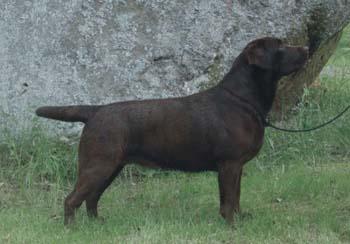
[{"x": 268, "y": 124}]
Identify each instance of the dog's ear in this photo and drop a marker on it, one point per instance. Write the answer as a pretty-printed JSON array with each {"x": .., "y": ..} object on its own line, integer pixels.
[{"x": 260, "y": 57}]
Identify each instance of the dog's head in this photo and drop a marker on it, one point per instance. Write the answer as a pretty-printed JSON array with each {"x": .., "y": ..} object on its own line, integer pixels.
[{"x": 271, "y": 54}]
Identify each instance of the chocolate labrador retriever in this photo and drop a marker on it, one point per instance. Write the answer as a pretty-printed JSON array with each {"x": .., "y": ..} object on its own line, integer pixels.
[{"x": 219, "y": 129}]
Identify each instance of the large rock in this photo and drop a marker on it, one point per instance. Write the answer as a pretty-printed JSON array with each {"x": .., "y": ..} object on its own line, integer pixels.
[{"x": 88, "y": 52}]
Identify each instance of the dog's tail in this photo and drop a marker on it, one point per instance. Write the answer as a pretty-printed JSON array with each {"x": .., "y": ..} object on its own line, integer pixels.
[{"x": 68, "y": 113}]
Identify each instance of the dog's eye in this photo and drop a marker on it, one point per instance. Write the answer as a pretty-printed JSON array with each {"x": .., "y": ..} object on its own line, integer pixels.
[{"x": 280, "y": 51}]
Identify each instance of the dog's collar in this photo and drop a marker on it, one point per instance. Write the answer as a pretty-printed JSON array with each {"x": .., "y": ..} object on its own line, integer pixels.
[{"x": 251, "y": 107}]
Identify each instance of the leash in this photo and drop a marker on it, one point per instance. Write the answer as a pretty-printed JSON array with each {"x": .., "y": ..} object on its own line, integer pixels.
[{"x": 268, "y": 124}]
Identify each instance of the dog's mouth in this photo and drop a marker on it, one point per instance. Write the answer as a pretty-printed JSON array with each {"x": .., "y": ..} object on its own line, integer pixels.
[{"x": 302, "y": 61}]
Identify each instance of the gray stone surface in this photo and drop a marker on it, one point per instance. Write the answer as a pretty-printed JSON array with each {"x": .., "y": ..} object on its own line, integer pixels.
[{"x": 93, "y": 52}]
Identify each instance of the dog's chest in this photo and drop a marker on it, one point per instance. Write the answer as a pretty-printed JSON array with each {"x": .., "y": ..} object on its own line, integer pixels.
[{"x": 244, "y": 138}]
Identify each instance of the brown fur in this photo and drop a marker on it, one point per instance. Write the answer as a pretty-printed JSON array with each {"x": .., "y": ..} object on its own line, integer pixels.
[{"x": 219, "y": 129}]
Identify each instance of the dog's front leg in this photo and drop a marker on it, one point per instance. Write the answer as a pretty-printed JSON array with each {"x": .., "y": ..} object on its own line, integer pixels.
[
  {"x": 229, "y": 173},
  {"x": 238, "y": 192}
]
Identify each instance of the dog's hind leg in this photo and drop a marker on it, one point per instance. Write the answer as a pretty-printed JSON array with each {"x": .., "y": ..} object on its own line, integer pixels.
[
  {"x": 90, "y": 185},
  {"x": 94, "y": 196},
  {"x": 229, "y": 184}
]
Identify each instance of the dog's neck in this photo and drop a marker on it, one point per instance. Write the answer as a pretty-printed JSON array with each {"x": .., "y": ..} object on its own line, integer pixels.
[{"x": 256, "y": 86}]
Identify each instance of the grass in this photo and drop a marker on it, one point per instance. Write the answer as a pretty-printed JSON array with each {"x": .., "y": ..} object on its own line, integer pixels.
[{"x": 296, "y": 191}]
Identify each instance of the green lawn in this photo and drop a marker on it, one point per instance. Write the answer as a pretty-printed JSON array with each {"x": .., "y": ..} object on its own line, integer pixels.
[
  {"x": 302, "y": 204},
  {"x": 296, "y": 191}
]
